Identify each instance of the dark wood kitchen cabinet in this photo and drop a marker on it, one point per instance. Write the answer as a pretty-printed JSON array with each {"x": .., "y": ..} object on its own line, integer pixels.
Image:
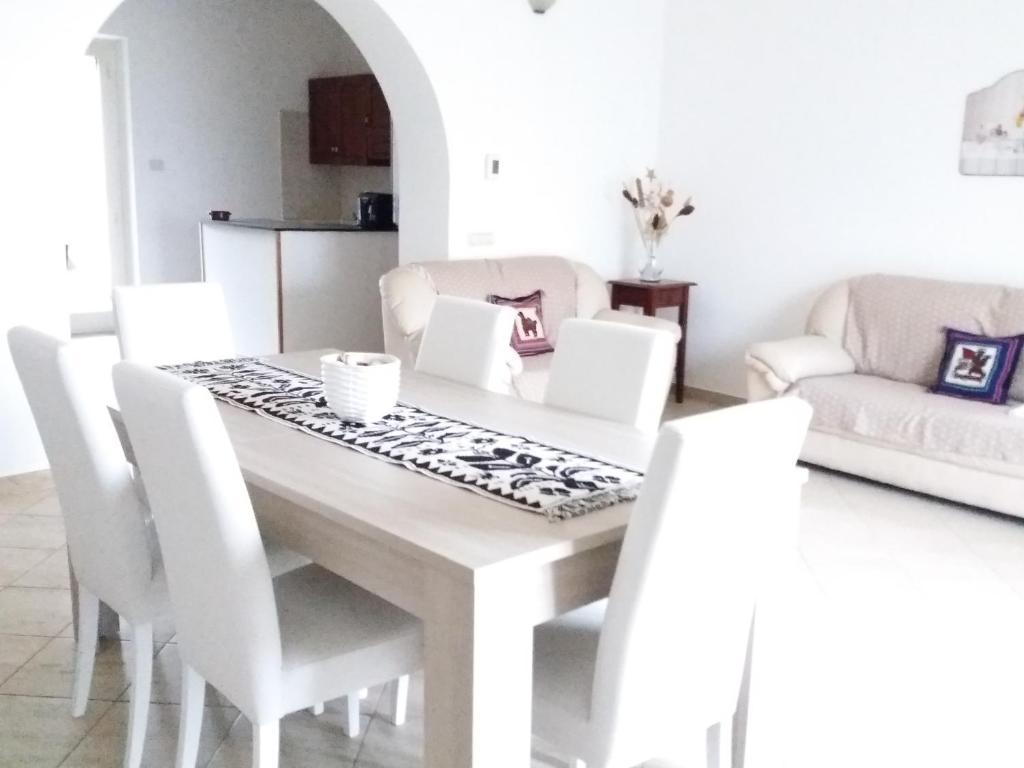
[{"x": 349, "y": 121}]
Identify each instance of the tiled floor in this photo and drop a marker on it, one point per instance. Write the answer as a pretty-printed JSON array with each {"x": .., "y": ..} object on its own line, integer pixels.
[{"x": 898, "y": 641}]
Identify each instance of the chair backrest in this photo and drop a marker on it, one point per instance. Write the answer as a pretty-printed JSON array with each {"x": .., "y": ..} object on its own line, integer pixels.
[
  {"x": 109, "y": 541},
  {"x": 172, "y": 323},
  {"x": 217, "y": 574},
  {"x": 468, "y": 341},
  {"x": 613, "y": 371},
  {"x": 715, "y": 516}
]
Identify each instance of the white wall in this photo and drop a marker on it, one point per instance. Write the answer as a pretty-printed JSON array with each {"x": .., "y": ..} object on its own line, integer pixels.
[
  {"x": 569, "y": 100},
  {"x": 31, "y": 261},
  {"x": 209, "y": 79},
  {"x": 821, "y": 141}
]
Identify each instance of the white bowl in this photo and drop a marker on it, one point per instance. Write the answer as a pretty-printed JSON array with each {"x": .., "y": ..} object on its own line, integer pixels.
[{"x": 360, "y": 386}]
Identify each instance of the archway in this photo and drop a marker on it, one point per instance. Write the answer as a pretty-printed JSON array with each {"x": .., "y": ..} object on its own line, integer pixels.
[{"x": 423, "y": 177}]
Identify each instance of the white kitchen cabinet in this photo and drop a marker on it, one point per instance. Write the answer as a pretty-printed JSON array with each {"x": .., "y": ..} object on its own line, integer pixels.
[{"x": 293, "y": 286}]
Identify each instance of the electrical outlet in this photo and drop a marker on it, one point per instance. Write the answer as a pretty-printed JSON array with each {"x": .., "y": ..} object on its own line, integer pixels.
[{"x": 480, "y": 239}]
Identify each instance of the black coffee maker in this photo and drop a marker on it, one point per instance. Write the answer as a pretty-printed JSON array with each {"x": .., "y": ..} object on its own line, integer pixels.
[{"x": 376, "y": 210}]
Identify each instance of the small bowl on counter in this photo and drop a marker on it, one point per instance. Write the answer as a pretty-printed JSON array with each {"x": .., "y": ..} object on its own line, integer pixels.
[{"x": 361, "y": 387}]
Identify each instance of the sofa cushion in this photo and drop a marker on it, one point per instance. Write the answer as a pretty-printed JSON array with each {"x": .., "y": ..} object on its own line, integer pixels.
[
  {"x": 895, "y": 325},
  {"x": 978, "y": 367},
  {"x": 532, "y": 382},
  {"x": 907, "y": 417},
  {"x": 529, "y": 334},
  {"x": 479, "y": 278}
]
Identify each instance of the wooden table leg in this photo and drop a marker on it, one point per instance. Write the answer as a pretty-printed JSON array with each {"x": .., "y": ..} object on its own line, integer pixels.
[
  {"x": 681, "y": 354},
  {"x": 110, "y": 623},
  {"x": 479, "y": 675}
]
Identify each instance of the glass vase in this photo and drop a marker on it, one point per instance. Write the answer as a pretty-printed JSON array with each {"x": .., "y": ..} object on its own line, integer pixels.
[{"x": 651, "y": 270}]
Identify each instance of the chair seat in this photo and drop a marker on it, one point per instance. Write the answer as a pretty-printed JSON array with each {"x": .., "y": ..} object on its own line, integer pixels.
[
  {"x": 565, "y": 654},
  {"x": 336, "y": 637}
]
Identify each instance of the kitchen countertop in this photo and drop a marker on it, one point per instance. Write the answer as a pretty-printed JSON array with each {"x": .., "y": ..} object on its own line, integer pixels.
[{"x": 283, "y": 225}]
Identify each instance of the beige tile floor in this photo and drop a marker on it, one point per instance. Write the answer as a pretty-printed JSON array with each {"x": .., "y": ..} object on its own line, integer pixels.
[{"x": 897, "y": 641}]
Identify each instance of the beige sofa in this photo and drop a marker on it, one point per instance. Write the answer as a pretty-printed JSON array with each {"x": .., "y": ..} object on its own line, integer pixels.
[
  {"x": 571, "y": 289},
  {"x": 873, "y": 346}
]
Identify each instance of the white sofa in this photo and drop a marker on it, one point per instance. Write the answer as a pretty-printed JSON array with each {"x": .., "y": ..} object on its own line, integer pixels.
[
  {"x": 873, "y": 346},
  {"x": 571, "y": 289}
]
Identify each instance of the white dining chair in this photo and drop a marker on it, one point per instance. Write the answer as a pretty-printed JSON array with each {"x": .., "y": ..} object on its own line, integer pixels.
[
  {"x": 613, "y": 371},
  {"x": 626, "y": 680},
  {"x": 469, "y": 341},
  {"x": 111, "y": 543},
  {"x": 271, "y": 646},
  {"x": 170, "y": 323}
]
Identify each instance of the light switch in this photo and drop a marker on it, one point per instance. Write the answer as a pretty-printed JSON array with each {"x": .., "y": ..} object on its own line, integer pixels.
[{"x": 156, "y": 164}]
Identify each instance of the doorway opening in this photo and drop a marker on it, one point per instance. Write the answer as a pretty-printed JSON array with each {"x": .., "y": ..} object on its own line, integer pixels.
[{"x": 99, "y": 251}]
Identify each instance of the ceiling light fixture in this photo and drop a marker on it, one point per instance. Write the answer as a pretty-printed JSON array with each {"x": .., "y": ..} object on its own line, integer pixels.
[{"x": 541, "y": 6}]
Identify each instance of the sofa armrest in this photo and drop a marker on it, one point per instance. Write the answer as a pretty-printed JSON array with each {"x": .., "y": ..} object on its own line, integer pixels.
[
  {"x": 642, "y": 321},
  {"x": 781, "y": 364},
  {"x": 1018, "y": 411},
  {"x": 591, "y": 291},
  {"x": 407, "y": 297},
  {"x": 409, "y": 294}
]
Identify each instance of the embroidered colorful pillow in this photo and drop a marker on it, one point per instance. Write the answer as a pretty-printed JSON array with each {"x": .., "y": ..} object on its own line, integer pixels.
[
  {"x": 528, "y": 335},
  {"x": 978, "y": 367}
]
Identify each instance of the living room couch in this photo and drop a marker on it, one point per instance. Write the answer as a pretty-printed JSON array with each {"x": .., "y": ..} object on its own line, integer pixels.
[
  {"x": 872, "y": 348},
  {"x": 570, "y": 289}
]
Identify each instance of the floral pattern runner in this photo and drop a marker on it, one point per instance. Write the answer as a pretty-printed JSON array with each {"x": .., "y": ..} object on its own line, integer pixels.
[{"x": 522, "y": 473}]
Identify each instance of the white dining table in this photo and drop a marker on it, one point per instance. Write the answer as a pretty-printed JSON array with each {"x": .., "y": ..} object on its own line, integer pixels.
[{"x": 479, "y": 573}]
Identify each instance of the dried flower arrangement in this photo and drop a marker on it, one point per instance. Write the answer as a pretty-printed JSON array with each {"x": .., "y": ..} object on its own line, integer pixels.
[{"x": 654, "y": 208}]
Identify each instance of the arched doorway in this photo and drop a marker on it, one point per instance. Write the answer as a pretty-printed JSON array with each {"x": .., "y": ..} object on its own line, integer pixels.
[{"x": 422, "y": 181}]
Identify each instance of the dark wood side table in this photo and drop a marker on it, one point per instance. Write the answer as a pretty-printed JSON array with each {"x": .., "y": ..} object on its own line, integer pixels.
[{"x": 651, "y": 297}]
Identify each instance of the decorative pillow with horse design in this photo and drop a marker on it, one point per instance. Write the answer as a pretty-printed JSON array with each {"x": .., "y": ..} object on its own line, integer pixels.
[
  {"x": 978, "y": 367},
  {"x": 528, "y": 335}
]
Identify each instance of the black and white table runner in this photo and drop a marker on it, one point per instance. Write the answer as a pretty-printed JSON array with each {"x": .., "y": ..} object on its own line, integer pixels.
[{"x": 517, "y": 471}]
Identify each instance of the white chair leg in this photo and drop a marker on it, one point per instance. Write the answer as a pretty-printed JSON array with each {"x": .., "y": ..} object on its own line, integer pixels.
[
  {"x": 725, "y": 743},
  {"x": 398, "y": 695},
  {"x": 317, "y": 709},
  {"x": 85, "y": 650},
  {"x": 266, "y": 744},
  {"x": 190, "y": 725},
  {"x": 351, "y": 727},
  {"x": 719, "y": 746},
  {"x": 142, "y": 678}
]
